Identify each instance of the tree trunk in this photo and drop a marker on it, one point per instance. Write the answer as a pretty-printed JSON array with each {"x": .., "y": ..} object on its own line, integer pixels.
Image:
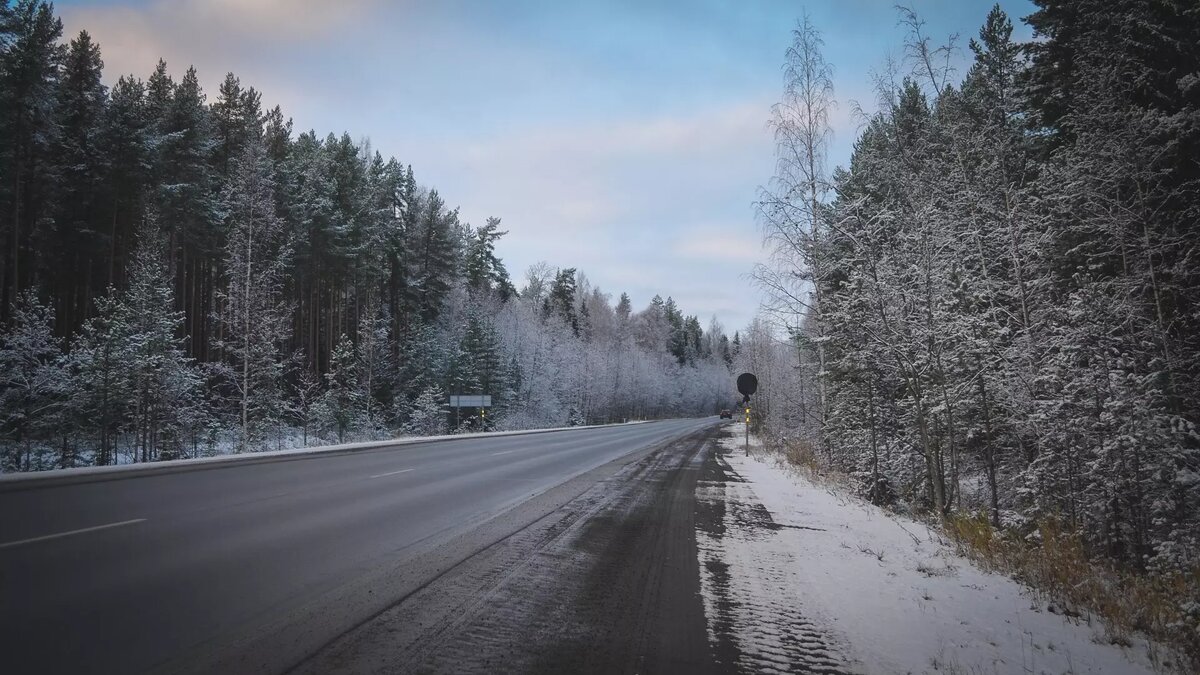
[
  {"x": 989, "y": 451},
  {"x": 246, "y": 332}
]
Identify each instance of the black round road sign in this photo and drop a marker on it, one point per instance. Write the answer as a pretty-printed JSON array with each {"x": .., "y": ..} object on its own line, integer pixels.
[{"x": 747, "y": 384}]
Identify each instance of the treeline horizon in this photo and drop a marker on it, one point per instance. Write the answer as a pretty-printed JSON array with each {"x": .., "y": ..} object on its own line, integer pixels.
[{"x": 182, "y": 277}]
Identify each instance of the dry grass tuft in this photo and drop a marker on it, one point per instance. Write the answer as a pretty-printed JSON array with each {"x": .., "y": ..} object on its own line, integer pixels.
[
  {"x": 801, "y": 453},
  {"x": 1074, "y": 584}
]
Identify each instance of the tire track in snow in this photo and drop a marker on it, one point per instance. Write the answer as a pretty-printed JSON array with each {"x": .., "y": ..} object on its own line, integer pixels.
[{"x": 756, "y": 621}]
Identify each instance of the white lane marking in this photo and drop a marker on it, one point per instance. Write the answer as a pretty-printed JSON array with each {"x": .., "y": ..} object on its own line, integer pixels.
[
  {"x": 502, "y": 453},
  {"x": 390, "y": 473},
  {"x": 67, "y": 534}
]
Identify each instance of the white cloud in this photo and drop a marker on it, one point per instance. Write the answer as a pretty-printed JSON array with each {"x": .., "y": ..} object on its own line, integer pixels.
[
  {"x": 280, "y": 19},
  {"x": 565, "y": 180},
  {"x": 703, "y": 132},
  {"x": 732, "y": 244},
  {"x": 216, "y": 36},
  {"x": 647, "y": 205}
]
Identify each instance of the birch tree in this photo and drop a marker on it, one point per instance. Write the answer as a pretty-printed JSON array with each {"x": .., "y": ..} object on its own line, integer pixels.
[{"x": 791, "y": 209}]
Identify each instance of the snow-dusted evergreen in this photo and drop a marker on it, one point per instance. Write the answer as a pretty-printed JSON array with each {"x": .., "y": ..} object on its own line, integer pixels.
[
  {"x": 180, "y": 278},
  {"x": 995, "y": 307}
]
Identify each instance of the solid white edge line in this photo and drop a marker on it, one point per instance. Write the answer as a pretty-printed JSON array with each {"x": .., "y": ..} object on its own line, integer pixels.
[
  {"x": 67, "y": 534},
  {"x": 390, "y": 473}
]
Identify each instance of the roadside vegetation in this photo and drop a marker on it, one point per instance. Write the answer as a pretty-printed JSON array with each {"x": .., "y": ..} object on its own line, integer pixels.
[
  {"x": 989, "y": 318},
  {"x": 181, "y": 278}
]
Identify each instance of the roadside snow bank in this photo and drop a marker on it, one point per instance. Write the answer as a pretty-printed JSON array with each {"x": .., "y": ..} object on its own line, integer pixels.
[{"x": 801, "y": 576}]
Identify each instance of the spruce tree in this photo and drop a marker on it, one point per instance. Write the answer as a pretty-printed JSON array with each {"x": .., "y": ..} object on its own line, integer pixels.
[
  {"x": 342, "y": 403},
  {"x": 163, "y": 383},
  {"x": 32, "y": 382},
  {"x": 101, "y": 358}
]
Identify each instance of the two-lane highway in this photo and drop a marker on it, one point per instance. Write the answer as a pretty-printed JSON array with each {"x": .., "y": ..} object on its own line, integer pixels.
[{"x": 182, "y": 569}]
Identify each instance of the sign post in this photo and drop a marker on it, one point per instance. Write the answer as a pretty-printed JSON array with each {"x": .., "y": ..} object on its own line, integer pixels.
[
  {"x": 747, "y": 384},
  {"x": 480, "y": 401},
  {"x": 747, "y": 445}
]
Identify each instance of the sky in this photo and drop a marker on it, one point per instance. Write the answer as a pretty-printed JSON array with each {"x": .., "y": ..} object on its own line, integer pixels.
[{"x": 626, "y": 138}]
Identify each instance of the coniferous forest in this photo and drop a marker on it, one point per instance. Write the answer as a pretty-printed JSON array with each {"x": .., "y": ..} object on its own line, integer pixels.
[
  {"x": 995, "y": 308},
  {"x": 185, "y": 274}
]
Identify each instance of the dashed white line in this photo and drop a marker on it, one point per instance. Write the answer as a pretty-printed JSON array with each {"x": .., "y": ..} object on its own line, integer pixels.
[
  {"x": 502, "y": 453},
  {"x": 67, "y": 534},
  {"x": 390, "y": 473}
]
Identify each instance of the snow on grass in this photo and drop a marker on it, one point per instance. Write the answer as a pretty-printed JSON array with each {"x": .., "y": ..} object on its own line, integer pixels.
[{"x": 802, "y": 573}]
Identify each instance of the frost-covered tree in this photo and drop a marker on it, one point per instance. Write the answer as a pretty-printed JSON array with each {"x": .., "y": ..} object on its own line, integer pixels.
[
  {"x": 433, "y": 263},
  {"x": 342, "y": 406},
  {"x": 305, "y": 399},
  {"x": 254, "y": 313},
  {"x": 791, "y": 209},
  {"x": 101, "y": 360},
  {"x": 427, "y": 416},
  {"x": 32, "y": 382},
  {"x": 161, "y": 381}
]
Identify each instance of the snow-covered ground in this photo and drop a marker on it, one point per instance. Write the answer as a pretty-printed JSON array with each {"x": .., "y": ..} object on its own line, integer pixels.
[{"x": 797, "y": 572}]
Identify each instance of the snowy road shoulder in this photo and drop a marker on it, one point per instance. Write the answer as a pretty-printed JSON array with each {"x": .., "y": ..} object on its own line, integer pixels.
[{"x": 798, "y": 577}]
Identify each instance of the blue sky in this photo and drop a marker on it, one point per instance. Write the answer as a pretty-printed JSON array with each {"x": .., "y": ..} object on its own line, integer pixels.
[{"x": 627, "y": 139}]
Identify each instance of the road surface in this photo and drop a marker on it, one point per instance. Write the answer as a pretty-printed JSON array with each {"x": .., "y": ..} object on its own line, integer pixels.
[{"x": 254, "y": 568}]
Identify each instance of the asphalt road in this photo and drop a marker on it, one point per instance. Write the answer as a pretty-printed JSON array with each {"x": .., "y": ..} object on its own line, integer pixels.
[
  {"x": 607, "y": 584},
  {"x": 250, "y": 568}
]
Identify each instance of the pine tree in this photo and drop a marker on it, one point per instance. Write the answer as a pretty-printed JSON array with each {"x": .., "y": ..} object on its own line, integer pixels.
[
  {"x": 484, "y": 271},
  {"x": 126, "y": 143},
  {"x": 186, "y": 198},
  {"x": 80, "y": 171},
  {"x": 29, "y": 66},
  {"x": 560, "y": 301},
  {"x": 624, "y": 307},
  {"x": 434, "y": 257},
  {"x": 236, "y": 121},
  {"x": 254, "y": 316}
]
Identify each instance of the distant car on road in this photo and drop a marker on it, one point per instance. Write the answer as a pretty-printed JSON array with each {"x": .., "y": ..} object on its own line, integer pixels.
[{"x": 726, "y": 414}]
